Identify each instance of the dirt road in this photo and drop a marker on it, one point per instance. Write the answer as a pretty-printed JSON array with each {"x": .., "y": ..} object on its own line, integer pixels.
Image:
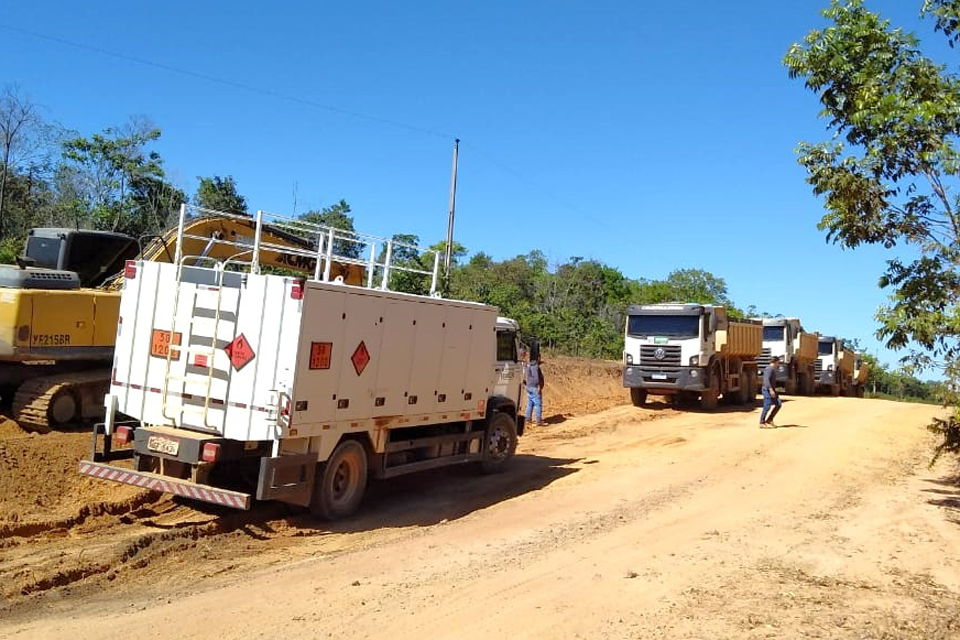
[{"x": 627, "y": 523}]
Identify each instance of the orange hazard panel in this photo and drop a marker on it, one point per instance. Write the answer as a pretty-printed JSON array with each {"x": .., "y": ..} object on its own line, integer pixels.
[
  {"x": 161, "y": 341},
  {"x": 320, "y": 355}
]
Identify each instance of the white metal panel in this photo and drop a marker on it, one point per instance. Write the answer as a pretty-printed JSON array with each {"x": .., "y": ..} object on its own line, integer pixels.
[
  {"x": 428, "y": 338},
  {"x": 396, "y": 353},
  {"x": 455, "y": 358},
  {"x": 323, "y": 324},
  {"x": 480, "y": 378},
  {"x": 360, "y": 356}
]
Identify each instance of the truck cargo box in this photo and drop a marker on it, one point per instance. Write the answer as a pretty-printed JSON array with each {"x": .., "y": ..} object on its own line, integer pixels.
[
  {"x": 847, "y": 361},
  {"x": 806, "y": 351},
  {"x": 740, "y": 339}
]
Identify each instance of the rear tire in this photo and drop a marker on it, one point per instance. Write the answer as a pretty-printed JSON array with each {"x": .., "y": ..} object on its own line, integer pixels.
[
  {"x": 708, "y": 398},
  {"x": 638, "y": 397},
  {"x": 340, "y": 482},
  {"x": 499, "y": 443},
  {"x": 749, "y": 390}
]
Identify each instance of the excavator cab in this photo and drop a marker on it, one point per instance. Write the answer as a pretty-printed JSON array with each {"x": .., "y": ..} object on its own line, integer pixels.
[{"x": 93, "y": 255}]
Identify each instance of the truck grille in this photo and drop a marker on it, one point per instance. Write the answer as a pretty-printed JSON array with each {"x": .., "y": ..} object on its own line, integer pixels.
[
  {"x": 764, "y": 358},
  {"x": 671, "y": 355},
  {"x": 817, "y": 367}
]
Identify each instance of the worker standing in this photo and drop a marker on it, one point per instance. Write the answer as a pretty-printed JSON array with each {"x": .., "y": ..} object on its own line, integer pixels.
[
  {"x": 533, "y": 378},
  {"x": 770, "y": 396}
]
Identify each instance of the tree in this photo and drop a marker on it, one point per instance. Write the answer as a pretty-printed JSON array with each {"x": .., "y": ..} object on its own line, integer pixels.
[
  {"x": 220, "y": 194},
  {"x": 18, "y": 120},
  {"x": 118, "y": 182},
  {"x": 337, "y": 216},
  {"x": 891, "y": 174}
]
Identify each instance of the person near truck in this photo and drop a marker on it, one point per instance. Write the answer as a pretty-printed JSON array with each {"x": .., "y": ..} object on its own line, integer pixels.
[
  {"x": 533, "y": 378},
  {"x": 769, "y": 391}
]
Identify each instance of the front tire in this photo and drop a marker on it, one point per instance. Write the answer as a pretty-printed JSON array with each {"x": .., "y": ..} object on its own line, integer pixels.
[
  {"x": 499, "y": 443},
  {"x": 638, "y": 397},
  {"x": 340, "y": 482}
]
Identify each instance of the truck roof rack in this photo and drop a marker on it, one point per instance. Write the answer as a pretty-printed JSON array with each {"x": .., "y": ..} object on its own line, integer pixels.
[{"x": 325, "y": 244}]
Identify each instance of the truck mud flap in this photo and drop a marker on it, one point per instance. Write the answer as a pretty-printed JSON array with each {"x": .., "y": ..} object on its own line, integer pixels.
[
  {"x": 287, "y": 478},
  {"x": 164, "y": 484}
]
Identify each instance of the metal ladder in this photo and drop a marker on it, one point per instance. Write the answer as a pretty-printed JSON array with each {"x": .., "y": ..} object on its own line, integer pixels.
[{"x": 186, "y": 350}]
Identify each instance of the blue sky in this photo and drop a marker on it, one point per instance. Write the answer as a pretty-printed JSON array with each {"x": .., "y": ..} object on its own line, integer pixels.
[{"x": 650, "y": 136}]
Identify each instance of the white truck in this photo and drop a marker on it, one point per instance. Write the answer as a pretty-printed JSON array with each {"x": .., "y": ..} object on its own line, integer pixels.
[
  {"x": 834, "y": 368},
  {"x": 690, "y": 351},
  {"x": 797, "y": 350},
  {"x": 244, "y": 385}
]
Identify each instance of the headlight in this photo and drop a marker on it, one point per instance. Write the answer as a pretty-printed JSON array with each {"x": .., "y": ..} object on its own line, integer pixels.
[
  {"x": 629, "y": 359},
  {"x": 782, "y": 368},
  {"x": 694, "y": 361},
  {"x": 694, "y": 373},
  {"x": 829, "y": 367}
]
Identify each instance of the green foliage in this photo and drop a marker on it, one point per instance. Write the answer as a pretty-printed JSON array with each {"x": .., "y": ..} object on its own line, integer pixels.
[
  {"x": 891, "y": 174},
  {"x": 337, "y": 216},
  {"x": 10, "y": 248},
  {"x": 118, "y": 183},
  {"x": 220, "y": 194}
]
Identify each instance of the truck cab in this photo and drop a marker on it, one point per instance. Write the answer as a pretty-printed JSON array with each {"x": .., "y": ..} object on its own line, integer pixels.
[
  {"x": 786, "y": 339},
  {"x": 508, "y": 369},
  {"x": 828, "y": 370}
]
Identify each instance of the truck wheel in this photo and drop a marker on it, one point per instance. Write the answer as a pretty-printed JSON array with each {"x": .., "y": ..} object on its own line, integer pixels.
[
  {"x": 638, "y": 397},
  {"x": 835, "y": 390},
  {"x": 749, "y": 389},
  {"x": 499, "y": 443},
  {"x": 708, "y": 398},
  {"x": 340, "y": 482},
  {"x": 859, "y": 391},
  {"x": 790, "y": 386}
]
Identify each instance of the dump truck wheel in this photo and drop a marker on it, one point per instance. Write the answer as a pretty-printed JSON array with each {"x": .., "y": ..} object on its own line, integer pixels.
[
  {"x": 859, "y": 390},
  {"x": 835, "y": 390},
  {"x": 708, "y": 397},
  {"x": 749, "y": 389},
  {"x": 638, "y": 397},
  {"x": 340, "y": 482},
  {"x": 790, "y": 386},
  {"x": 499, "y": 443}
]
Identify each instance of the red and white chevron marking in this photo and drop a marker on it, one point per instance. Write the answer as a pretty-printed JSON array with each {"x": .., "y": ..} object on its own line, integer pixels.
[{"x": 183, "y": 488}]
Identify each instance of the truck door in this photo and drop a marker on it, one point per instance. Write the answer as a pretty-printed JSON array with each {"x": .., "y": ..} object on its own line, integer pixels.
[{"x": 508, "y": 367}]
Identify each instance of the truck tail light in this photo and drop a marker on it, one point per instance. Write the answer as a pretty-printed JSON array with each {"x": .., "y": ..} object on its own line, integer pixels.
[
  {"x": 211, "y": 452},
  {"x": 285, "y": 410},
  {"x": 130, "y": 269},
  {"x": 122, "y": 435},
  {"x": 296, "y": 291}
]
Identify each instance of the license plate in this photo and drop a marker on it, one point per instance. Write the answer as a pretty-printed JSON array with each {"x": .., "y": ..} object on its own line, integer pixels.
[
  {"x": 659, "y": 376},
  {"x": 167, "y": 446},
  {"x": 161, "y": 341}
]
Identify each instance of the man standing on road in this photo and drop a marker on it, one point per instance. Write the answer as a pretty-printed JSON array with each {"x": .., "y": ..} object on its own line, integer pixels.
[
  {"x": 769, "y": 391},
  {"x": 533, "y": 378}
]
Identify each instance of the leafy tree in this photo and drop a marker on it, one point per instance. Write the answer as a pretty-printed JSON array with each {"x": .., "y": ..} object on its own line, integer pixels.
[
  {"x": 220, "y": 194},
  {"x": 118, "y": 182},
  {"x": 337, "y": 216},
  {"x": 891, "y": 173}
]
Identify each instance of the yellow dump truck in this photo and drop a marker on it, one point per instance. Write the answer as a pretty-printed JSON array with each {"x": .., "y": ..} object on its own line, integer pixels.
[
  {"x": 834, "y": 368},
  {"x": 689, "y": 352},
  {"x": 797, "y": 350},
  {"x": 59, "y": 306}
]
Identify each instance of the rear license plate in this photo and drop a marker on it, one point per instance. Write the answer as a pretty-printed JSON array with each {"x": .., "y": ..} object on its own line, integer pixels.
[
  {"x": 167, "y": 446},
  {"x": 659, "y": 376},
  {"x": 161, "y": 341}
]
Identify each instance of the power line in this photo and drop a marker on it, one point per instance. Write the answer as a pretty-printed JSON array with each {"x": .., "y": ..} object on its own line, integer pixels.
[{"x": 228, "y": 83}]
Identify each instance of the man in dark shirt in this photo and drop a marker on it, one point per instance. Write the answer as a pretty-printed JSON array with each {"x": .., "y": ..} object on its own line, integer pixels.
[
  {"x": 769, "y": 391},
  {"x": 534, "y": 383}
]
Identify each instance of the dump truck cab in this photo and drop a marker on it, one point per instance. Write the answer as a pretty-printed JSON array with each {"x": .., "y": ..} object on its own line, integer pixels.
[{"x": 688, "y": 351}]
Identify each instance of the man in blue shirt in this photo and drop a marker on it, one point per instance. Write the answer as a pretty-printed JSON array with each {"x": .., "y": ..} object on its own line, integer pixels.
[{"x": 770, "y": 396}]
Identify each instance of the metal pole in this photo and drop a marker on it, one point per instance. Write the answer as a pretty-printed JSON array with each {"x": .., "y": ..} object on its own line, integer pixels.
[{"x": 453, "y": 206}]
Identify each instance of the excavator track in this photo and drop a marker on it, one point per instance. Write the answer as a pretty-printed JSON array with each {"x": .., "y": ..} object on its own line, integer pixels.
[{"x": 61, "y": 400}]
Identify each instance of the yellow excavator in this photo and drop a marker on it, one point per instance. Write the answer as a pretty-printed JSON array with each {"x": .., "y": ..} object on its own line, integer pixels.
[{"x": 59, "y": 304}]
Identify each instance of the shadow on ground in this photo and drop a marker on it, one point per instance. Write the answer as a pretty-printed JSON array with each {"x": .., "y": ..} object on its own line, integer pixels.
[{"x": 945, "y": 493}]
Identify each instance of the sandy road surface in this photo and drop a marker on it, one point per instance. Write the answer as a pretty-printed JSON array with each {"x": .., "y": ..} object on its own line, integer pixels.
[{"x": 626, "y": 523}]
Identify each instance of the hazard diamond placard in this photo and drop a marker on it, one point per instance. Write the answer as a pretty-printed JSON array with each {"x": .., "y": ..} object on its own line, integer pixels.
[
  {"x": 360, "y": 358},
  {"x": 240, "y": 352}
]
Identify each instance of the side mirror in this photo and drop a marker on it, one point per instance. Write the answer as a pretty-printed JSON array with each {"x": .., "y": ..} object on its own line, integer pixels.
[{"x": 26, "y": 261}]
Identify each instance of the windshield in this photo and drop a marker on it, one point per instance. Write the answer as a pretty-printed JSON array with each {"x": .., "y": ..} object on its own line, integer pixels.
[
  {"x": 772, "y": 333},
  {"x": 673, "y": 326},
  {"x": 46, "y": 251},
  {"x": 506, "y": 346},
  {"x": 825, "y": 348}
]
